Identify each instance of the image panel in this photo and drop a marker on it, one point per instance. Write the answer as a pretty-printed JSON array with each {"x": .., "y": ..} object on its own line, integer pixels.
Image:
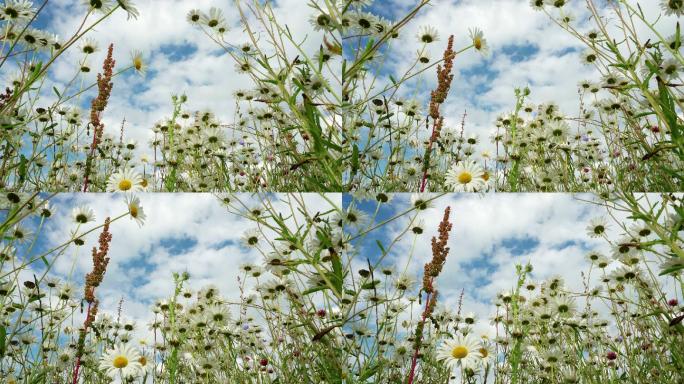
[
  {"x": 309, "y": 288},
  {"x": 215, "y": 96},
  {"x": 165, "y": 288},
  {"x": 508, "y": 288},
  {"x": 450, "y": 95}
]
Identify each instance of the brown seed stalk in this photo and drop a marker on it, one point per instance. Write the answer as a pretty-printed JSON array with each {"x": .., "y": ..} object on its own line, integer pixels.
[
  {"x": 432, "y": 270},
  {"x": 437, "y": 98},
  {"x": 92, "y": 280},
  {"x": 104, "y": 87}
]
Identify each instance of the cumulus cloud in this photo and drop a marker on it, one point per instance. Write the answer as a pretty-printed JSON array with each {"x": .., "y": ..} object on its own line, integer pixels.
[
  {"x": 191, "y": 233},
  {"x": 180, "y": 59},
  {"x": 528, "y": 49},
  {"x": 490, "y": 235}
]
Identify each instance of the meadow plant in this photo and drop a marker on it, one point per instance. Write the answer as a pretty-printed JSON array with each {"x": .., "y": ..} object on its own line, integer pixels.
[
  {"x": 312, "y": 311},
  {"x": 627, "y": 134},
  {"x": 283, "y": 137},
  {"x": 332, "y": 111},
  {"x": 624, "y": 325},
  {"x": 45, "y": 135},
  {"x": 332, "y": 303},
  {"x": 284, "y": 134},
  {"x": 331, "y": 118},
  {"x": 397, "y": 142},
  {"x": 44, "y": 335}
]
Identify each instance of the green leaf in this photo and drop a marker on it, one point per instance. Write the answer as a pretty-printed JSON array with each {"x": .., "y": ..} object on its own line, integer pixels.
[
  {"x": 338, "y": 273},
  {"x": 370, "y": 371},
  {"x": 3, "y": 341},
  {"x": 22, "y": 168},
  {"x": 355, "y": 159},
  {"x": 312, "y": 290},
  {"x": 380, "y": 246},
  {"x": 36, "y": 71},
  {"x": 386, "y": 117},
  {"x": 35, "y": 298},
  {"x": 672, "y": 269},
  {"x": 39, "y": 377},
  {"x": 667, "y": 104},
  {"x": 655, "y": 313},
  {"x": 344, "y": 70},
  {"x": 371, "y": 284},
  {"x": 314, "y": 126}
]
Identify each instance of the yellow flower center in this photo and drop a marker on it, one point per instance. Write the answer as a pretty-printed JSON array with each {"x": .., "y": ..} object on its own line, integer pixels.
[
  {"x": 137, "y": 63},
  {"x": 125, "y": 185},
  {"x": 120, "y": 362},
  {"x": 459, "y": 352},
  {"x": 485, "y": 176},
  {"x": 465, "y": 177},
  {"x": 133, "y": 210},
  {"x": 143, "y": 183},
  {"x": 142, "y": 361},
  {"x": 477, "y": 42},
  {"x": 483, "y": 352}
]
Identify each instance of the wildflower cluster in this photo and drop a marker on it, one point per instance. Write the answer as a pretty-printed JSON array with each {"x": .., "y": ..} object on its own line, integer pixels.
[
  {"x": 45, "y": 134},
  {"x": 627, "y": 135},
  {"x": 309, "y": 312},
  {"x": 41, "y": 312},
  {"x": 285, "y": 135},
  {"x": 392, "y": 144},
  {"x": 624, "y": 323}
]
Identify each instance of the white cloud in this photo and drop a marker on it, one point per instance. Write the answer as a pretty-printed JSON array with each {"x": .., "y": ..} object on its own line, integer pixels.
[
  {"x": 527, "y": 47},
  {"x": 493, "y": 233},
  {"x": 191, "y": 233},
  {"x": 180, "y": 59}
]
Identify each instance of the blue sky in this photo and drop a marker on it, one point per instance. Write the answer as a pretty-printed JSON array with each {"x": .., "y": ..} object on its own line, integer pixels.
[
  {"x": 195, "y": 233},
  {"x": 183, "y": 233},
  {"x": 527, "y": 49},
  {"x": 491, "y": 233}
]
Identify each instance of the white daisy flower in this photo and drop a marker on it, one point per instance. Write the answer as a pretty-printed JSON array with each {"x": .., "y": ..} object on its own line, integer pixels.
[
  {"x": 83, "y": 214},
  {"x": 251, "y": 237},
  {"x": 672, "y": 7},
  {"x": 126, "y": 180},
  {"x": 427, "y": 34},
  {"x": 103, "y": 6},
  {"x": 479, "y": 42},
  {"x": 467, "y": 176},
  {"x": 194, "y": 16},
  {"x": 88, "y": 46},
  {"x": 597, "y": 227},
  {"x": 421, "y": 201},
  {"x": 135, "y": 210},
  {"x": 129, "y": 7},
  {"x": 123, "y": 360},
  {"x": 462, "y": 351}
]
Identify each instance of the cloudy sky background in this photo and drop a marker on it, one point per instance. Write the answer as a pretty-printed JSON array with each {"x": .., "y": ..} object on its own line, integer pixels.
[
  {"x": 527, "y": 49},
  {"x": 491, "y": 234},
  {"x": 179, "y": 59},
  {"x": 195, "y": 233},
  {"x": 191, "y": 233}
]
